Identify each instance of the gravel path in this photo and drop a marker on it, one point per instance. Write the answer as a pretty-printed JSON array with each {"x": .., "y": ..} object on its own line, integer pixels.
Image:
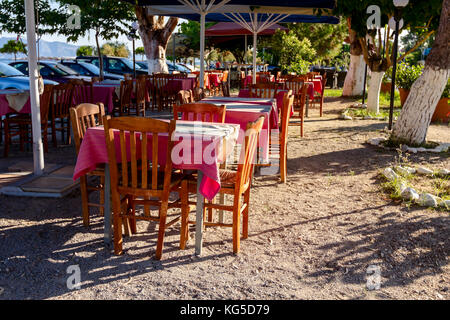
[{"x": 311, "y": 238}]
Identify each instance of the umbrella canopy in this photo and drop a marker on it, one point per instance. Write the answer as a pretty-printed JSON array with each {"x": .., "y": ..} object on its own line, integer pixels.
[
  {"x": 253, "y": 15},
  {"x": 235, "y": 29}
]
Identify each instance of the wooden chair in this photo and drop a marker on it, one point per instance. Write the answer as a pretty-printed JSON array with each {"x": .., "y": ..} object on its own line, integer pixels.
[
  {"x": 236, "y": 183},
  {"x": 205, "y": 112},
  {"x": 123, "y": 104},
  {"x": 83, "y": 91},
  {"x": 140, "y": 95},
  {"x": 61, "y": 102},
  {"x": 20, "y": 125},
  {"x": 185, "y": 96},
  {"x": 85, "y": 116},
  {"x": 199, "y": 94},
  {"x": 263, "y": 90},
  {"x": 299, "y": 90},
  {"x": 318, "y": 97},
  {"x": 225, "y": 88},
  {"x": 141, "y": 179},
  {"x": 162, "y": 95}
]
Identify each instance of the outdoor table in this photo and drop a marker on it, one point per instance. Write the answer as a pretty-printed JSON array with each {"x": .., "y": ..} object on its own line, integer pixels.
[
  {"x": 104, "y": 93},
  {"x": 243, "y": 110},
  {"x": 176, "y": 85},
  {"x": 14, "y": 101},
  {"x": 93, "y": 152}
]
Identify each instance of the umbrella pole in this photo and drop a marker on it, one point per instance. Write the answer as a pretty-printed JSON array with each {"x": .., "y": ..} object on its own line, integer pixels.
[
  {"x": 202, "y": 49},
  {"x": 254, "y": 57},
  {"x": 38, "y": 154}
]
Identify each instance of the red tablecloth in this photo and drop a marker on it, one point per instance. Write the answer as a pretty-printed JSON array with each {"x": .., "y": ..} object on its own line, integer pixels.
[
  {"x": 195, "y": 149},
  {"x": 213, "y": 79},
  {"x": 5, "y": 108},
  {"x": 175, "y": 85},
  {"x": 244, "y": 110},
  {"x": 104, "y": 94}
]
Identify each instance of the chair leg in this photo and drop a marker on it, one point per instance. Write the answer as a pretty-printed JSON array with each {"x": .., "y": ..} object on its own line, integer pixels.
[
  {"x": 117, "y": 222},
  {"x": 55, "y": 144},
  {"x": 236, "y": 224},
  {"x": 184, "y": 214},
  {"x": 162, "y": 228},
  {"x": 102, "y": 195},
  {"x": 245, "y": 214},
  {"x": 283, "y": 160},
  {"x": 84, "y": 200},
  {"x": 7, "y": 139},
  {"x": 321, "y": 105}
]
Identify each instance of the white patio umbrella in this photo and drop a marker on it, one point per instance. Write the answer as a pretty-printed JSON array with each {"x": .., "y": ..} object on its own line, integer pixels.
[
  {"x": 254, "y": 15},
  {"x": 38, "y": 152}
]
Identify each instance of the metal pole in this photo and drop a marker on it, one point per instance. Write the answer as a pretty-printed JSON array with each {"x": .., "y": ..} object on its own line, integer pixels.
[
  {"x": 365, "y": 79},
  {"x": 254, "y": 57},
  {"x": 134, "y": 60},
  {"x": 38, "y": 154},
  {"x": 202, "y": 49},
  {"x": 394, "y": 70}
]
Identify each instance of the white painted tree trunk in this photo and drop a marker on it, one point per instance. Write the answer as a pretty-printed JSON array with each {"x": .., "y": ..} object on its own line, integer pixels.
[
  {"x": 354, "y": 80},
  {"x": 156, "y": 58},
  {"x": 412, "y": 125},
  {"x": 373, "y": 94}
]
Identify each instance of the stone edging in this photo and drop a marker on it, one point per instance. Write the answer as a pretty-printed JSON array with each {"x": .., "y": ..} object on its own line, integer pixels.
[
  {"x": 442, "y": 147},
  {"x": 409, "y": 194}
]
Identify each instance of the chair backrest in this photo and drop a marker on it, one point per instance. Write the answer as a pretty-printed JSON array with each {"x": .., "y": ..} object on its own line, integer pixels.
[
  {"x": 205, "y": 112},
  {"x": 128, "y": 76},
  {"x": 185, "y": 96},
  {"x": 225, "y": 76},
  {"x": 294, "y": 84},
  {"x": 199, "y": 94},
  {"x": 84, "y": 116},
  {"x": 62, "y": 100},
  {"x": 288, "y": 102},
  {"x": 137, "y": 143},
  {"x": 248, "y": 154},
  {"x": 141, "y": 89},
  {"x": 225, "y": 88},
  {"x": 126, "y": 90},
  {"x": 44, "y": 102},
  {"x": 83, "y": 91},
  {"x": 161, "y": 80},
  {"x": 263, "y": 90}
]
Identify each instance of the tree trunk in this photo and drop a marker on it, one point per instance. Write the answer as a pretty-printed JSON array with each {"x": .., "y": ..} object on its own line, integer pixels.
[
  {"x": 155, "y": 36},
  {"x": 412, "y": 125},
  {"x": 373, "y": 95},
  {"x": 99, "y": 53},
  {"x": 354, "y": 80}
]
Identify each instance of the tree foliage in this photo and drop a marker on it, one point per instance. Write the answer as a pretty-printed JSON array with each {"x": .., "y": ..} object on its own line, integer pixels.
[
  {"x": 14, "y": 47},
  {"x": 85, "y": 51},
  {"x": 326, "y": 39}
]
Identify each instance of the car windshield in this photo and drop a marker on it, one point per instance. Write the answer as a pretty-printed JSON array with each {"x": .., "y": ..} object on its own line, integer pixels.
[
  {"x": 90, "y": 67},
  {"x": 8, "y": 71},
  {"x": 129, "y": 64},
  {"x": 64, "y": 69}
]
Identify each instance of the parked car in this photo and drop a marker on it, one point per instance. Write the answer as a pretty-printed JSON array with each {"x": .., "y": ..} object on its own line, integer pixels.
[
  {"x": 170, "y": 65},
  {"x": 115, "y": 65},
  {"x": 88, "y": 69},
  {"x": 11, "y": 78},
  {"x": 51, "y": 70}
]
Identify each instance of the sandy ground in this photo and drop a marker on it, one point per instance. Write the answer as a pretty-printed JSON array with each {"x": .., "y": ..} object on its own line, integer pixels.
[{"x": 311, "y": 238}]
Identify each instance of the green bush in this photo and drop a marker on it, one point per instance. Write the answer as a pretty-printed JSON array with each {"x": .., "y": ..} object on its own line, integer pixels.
[
  {"x": 407, "y": 75},
  {"x": 446, "y": 92}
]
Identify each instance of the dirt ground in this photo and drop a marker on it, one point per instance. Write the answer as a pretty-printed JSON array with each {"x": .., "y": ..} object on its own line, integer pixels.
[{"x": 311, "y": 238}]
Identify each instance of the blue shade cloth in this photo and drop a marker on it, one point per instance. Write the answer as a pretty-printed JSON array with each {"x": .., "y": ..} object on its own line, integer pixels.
[{"x": 329, "y": 4}]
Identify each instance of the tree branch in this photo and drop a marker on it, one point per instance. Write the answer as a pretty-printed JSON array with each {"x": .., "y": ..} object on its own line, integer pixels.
[{"x": 418, "y": 44}]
